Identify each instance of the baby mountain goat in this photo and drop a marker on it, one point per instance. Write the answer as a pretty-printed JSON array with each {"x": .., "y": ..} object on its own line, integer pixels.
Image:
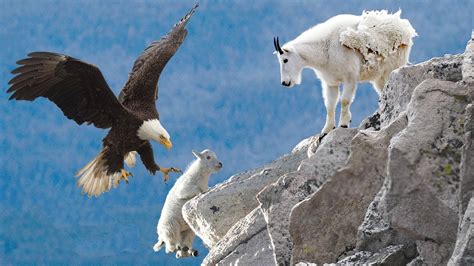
[
  {"x": 172, "y": 230},
  {"x": 347, "y": 49}
]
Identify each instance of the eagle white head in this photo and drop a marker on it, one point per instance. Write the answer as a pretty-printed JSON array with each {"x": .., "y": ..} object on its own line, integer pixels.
[{"x": 153, "y": 130}]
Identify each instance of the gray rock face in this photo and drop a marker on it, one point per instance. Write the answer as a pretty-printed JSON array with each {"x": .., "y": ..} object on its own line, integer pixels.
[
  {"x": 375, "y": 232},
  {"x": 213, "y": 213},
  {"x": 391, "y": 255},
  {"x": 397, "y": 190},
  {"x": 324, "y": 226},
  {"x": 463, "y": 253},
  {"x": 424, "y": 169},
  {"x": 278, "y": 199},
  {"x": 467, "y": 163},
  {"x": 247, "y": 242},
  {"x": 468, "y": 63},
  {"x": 252, "y": 253},
  {"x": 403, "y": 81}
]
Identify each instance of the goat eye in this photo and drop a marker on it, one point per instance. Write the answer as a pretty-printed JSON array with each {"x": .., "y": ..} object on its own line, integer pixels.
[
  {"x": 208, "y": 157},
  {"x": 285, "y": 60}
]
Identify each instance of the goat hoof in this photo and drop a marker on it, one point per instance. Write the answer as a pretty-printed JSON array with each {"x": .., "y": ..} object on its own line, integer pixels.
[
  {"x": 322, "y": 136},
  {"x": 194, "y": 253},
  {"x": 344, "y": 126}
]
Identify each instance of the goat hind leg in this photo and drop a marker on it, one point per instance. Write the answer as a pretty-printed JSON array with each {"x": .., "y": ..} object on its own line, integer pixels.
[
  {"x": 171, "y": 247},
  {"x": 172, "y": 241},
  {"x": 187, "y": 238},
  {"x": 379, "y": 84}
]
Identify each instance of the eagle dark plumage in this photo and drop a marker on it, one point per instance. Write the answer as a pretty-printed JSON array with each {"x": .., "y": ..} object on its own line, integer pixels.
[{"x": 81, "y": 92}]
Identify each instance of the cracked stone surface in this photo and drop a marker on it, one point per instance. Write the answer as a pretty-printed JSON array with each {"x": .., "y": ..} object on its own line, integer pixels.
[
  {"x": 439, "y": 152},
  {"x": 463, "y": 253},
  {"x": 403, "y": 81},
  {"x": 278, "y": 199},
  {"x": 247, "y": 242},
  {"x": 391, "y": 255},
  {"x": 324, "y": 226},
  {"x": 424, "y": 169}
]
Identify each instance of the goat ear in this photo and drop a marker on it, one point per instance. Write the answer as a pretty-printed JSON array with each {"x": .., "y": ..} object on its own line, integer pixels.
[
  {"x": 197, "y": 154},
  {"x": 274, "y": 52}
]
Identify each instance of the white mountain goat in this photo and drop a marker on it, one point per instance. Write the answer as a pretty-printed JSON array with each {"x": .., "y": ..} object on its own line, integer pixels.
[
  {"x": 172, "y": 230},
  {"x": 347, "y": 49}
]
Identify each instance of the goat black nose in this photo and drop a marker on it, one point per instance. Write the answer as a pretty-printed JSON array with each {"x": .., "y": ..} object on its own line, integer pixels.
[
  {"x": 284, "y": 83},
  {"x": 220, "y": 164}
]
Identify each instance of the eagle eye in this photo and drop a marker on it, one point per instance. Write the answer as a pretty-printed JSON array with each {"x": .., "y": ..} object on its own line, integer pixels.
[{"x": 285, "y": 60}]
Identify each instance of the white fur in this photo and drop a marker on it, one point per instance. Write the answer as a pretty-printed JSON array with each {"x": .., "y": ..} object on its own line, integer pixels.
[
  {"x": 152, "y": 130},
  {"x": 172, "y": 229},
  {"x": 347, "y": 49}
]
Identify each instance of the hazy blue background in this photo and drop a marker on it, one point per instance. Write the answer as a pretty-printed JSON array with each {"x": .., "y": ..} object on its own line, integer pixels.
[{"x": 221, "y": 91}]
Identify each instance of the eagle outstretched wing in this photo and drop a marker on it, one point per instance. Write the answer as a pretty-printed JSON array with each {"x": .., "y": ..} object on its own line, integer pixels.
[
  {"x": 141, "y": 88},
  {"x": 76, "y": 87}
]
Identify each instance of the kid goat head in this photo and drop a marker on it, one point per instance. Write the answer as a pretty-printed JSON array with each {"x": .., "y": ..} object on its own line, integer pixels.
[
  {"x": 291, "y": 64},
  {"x": 209, "y": 159}
]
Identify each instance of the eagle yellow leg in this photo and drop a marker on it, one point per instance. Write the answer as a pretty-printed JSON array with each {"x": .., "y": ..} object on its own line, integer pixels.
[{"x": 166, "y": 172}]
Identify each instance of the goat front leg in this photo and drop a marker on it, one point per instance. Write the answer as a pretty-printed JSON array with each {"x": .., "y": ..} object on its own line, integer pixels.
[
  {"x": 330, "y": 95},
  {"x": 346, "y": 101}
]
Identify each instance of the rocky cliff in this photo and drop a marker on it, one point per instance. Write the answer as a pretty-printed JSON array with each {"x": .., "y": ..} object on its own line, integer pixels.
[{"x": 398, "y": 189}]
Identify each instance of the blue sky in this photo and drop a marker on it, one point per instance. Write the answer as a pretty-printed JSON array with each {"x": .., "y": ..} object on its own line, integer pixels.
[{"x": 220, "y": 91}]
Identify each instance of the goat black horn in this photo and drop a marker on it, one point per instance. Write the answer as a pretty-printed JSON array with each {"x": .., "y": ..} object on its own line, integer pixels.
[{"x": 278, "y": 46}]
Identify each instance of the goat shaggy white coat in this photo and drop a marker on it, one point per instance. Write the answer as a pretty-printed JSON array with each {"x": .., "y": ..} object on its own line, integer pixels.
[
  {"x": 172, "y": 229},
  {"x": 347, "y": 49}
]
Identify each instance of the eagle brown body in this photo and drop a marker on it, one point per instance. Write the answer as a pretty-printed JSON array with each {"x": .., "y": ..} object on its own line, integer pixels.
[{"x": 81, "y": 92}]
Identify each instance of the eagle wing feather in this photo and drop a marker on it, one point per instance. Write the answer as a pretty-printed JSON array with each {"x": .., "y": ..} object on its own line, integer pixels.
[
  {"x": 76, "y": 87},
  {"x": 141, "y": 88}
]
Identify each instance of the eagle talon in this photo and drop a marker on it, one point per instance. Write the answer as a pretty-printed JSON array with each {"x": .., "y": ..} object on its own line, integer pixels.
[
  {"x": 124, "y": 175},
  {"x": 166, "y": 172}
]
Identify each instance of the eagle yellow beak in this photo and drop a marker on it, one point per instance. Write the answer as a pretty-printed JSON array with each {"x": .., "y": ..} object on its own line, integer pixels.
[{"x": 167, "y": 143}]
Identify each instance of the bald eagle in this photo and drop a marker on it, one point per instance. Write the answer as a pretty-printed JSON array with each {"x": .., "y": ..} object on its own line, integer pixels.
[{"x": 81, "y": 92}]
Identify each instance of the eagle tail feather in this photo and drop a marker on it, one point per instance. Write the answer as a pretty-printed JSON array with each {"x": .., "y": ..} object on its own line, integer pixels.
[{"x": 94, "y": 179}]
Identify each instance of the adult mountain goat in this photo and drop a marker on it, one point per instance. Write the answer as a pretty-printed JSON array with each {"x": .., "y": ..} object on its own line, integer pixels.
[
  {"x": 172, "y": 229},
  {"x": 347, "y": 49}
]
